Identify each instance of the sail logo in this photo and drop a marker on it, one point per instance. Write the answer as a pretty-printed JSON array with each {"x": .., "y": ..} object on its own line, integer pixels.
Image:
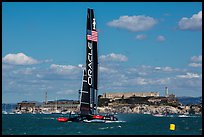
[
  {"x": 92, "y": 35},
  {"x": 94, "y": 23},
  {"x": 90, "y": 69}
]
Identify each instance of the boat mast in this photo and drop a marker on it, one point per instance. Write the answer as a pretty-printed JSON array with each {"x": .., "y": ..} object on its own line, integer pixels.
[
  {"x": 92, "y": 60},
  {"x": 88, "y": 98}
]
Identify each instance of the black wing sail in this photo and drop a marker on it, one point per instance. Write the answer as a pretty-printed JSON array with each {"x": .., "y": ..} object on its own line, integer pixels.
[
  {"x": 85, "y": 96},
  {"x": 85, "y": 102},
  {"x": 88, "y": 100},
  {"x": 92, "y": 59}
]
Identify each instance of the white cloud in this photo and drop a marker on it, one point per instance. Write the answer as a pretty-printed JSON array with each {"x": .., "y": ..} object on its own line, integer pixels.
[
  {"x": 189, "y": 75},
  {"x": 106, "y": 70},
  {"x": 65, "y": 69},
  {"x": 65, "y": 80},
  {"x": 166, "y": 69},
  {"x": 113, "y": 57},
  {"x": 141, "y": 37},
  {"x": 47, "y": 60},
  {"x": 157, "y": 68},
  {"x": 197, "y": 61},
  {"x": 19, "y": 59},
  {"x": 169, "y": 69},
  {"x": 195, "y": 65},
  {"x": 149, "y": 71},
  {"x": 161, "y": 38},
  {"x": 161, "y": 81},
  {"x": 133, "y": 23},
  {"x": 197, "y": 58},
  {"x": 81, "y": 65},
  {"x": 148, "y": 81},
  {"x": 142, "y": 73},
  {"x": 140, "y": 81},
  {"x": 26, "y": 71},
  {"x": 6, "y": 66},
  {"x": 193, "y": 23}
]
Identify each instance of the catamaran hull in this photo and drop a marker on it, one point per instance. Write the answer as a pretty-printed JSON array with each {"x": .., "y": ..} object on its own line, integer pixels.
[
  {"x": 62, "y": 119},
  {"x": 90, "y": 119}
]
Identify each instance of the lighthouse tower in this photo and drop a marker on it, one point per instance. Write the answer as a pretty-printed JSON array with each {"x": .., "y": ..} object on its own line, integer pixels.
[
  {"x": 46, "y": 97},
  {"x": 166, "y": 92}
]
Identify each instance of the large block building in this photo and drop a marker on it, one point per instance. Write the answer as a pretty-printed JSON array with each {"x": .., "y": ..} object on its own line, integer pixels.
[{"x": 118, "y": 95}]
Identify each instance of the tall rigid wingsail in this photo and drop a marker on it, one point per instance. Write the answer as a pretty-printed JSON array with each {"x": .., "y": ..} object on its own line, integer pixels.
[
  {"x": 88, "y": 103},
  {"x": 89, "y": 89}
]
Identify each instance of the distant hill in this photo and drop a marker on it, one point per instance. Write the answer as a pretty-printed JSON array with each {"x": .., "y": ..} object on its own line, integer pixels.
[
  {"x": 189, "y": 100},
  {"x": 8, "y": 107}
]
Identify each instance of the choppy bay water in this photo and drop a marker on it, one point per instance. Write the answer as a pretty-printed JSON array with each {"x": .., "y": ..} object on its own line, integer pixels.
[{"x": 131, "y": 124}]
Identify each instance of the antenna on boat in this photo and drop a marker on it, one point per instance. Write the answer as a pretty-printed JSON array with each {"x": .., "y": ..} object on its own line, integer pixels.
[{"x": 45, "y": 97}]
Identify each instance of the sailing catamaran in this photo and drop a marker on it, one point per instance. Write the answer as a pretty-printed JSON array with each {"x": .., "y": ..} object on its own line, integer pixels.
[{"x": 89, "y": 89}]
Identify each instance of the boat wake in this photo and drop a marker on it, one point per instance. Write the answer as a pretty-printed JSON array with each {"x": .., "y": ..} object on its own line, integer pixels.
[
  {"x": 104, "y": 128},
  {"x": 115, "y": 121},
  {"x": 49, "y": 118},
  {"x": 187, "y": 116}
]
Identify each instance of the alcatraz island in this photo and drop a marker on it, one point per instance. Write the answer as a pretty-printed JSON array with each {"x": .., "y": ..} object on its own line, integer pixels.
[{"x": 116, "y": 102}]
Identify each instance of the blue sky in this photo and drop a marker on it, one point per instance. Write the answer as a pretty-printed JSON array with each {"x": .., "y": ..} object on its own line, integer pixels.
[{"x": 142, "y": 47}]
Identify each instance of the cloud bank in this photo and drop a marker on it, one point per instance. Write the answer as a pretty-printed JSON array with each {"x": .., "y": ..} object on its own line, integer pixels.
[
  {"x": 197, "y": 58},
  {"x": 196, "y": 61},
  {"x": 133, "y": 23},
  {"x": 66, "y": 69},
  {"x": 113, "y": 57},
  {"x": 194, "y": 23},
  {"x": 19, "y": 59},
  {"x": 189, "y": 75}
]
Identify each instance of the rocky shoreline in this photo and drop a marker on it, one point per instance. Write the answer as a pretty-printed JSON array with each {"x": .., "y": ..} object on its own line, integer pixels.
[
  {"x": 138, "y": 105},
  {"x": 152, "y": 109}
]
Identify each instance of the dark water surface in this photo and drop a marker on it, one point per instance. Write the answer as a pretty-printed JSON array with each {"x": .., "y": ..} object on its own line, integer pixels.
[{"x": 130, "y": 124}]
